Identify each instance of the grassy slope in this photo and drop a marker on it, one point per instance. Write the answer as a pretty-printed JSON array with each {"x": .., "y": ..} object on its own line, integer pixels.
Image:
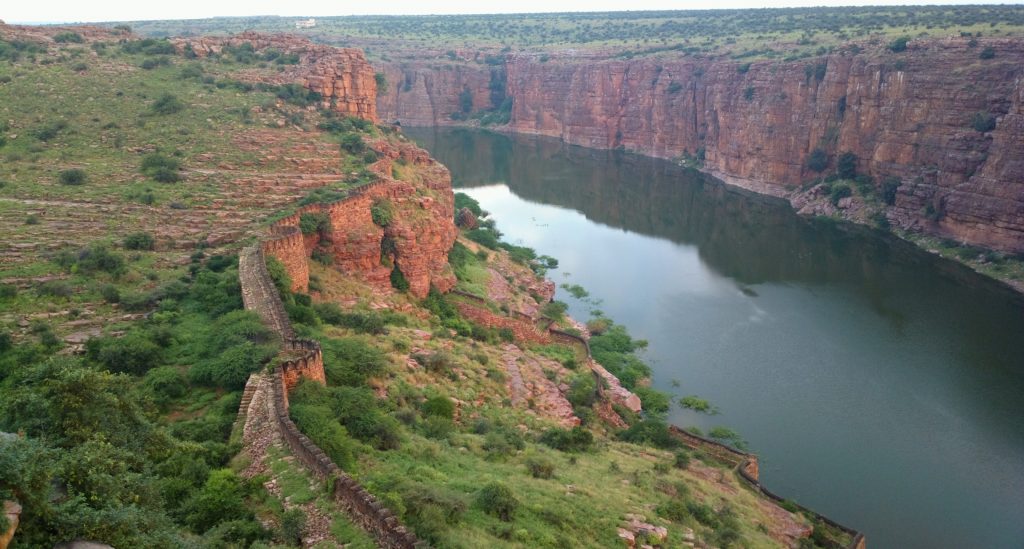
[
  {"x": 103, "y": 99},
  {"x": 590, "y": 493}
]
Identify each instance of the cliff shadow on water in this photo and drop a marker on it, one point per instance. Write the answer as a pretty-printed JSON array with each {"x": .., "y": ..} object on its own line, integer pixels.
[{"x": 748, "y": 237}]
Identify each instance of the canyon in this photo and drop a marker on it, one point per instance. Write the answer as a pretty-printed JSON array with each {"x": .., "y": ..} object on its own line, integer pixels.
[{"x": 908, "y": 117}]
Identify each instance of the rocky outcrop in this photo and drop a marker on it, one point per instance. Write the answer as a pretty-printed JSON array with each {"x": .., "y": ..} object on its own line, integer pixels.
[
  {"x": 415, "y": 241},
  {"x": 907, "y": 115},
  {"x": 342, "y": 76}
]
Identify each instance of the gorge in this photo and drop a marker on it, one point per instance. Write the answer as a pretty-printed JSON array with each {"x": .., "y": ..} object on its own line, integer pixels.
[
  {"x": 878, "y": 384},
  {"x": 906, "y": 116}
]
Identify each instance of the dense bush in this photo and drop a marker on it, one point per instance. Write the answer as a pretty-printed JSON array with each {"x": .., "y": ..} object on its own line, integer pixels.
[
  {"x": 983, "y": 122},
  {"x": 577, "y": 439},
  {"x": 817, "y": 160},
  {"x": 889, "y": 188},
  {"x": 68, "y": 37},
  {"x": 313, "y": 223},
  {"x": 317, "y": 422},
  {"x": 987, "y": 52},
  {"x": 73, "y": 176},
  {"x": 131, "y": 354},
  {"x": 89, "y": 260},
  {"x": 161, "y": 168},
  {"x": 846, "y": 166},
  {"x": 382, "y": 212},
  {"x": 899, "y": 44},
  {"x": 49, "y": 130},
  {"x": 353, "y": 143},
  {"x": 440, "y": 406},
  {"x": 166, "y": 383},
  {"x": 139, "y": 241},
  {"x": 167, "y": 104},
  {"x": 839, "y": 192},
  {"x": 653, "y": 432},
  {"x": 351, "y": 361},
  {"x": 498, "y": 500},
  {"x": 540, "y": 467}
]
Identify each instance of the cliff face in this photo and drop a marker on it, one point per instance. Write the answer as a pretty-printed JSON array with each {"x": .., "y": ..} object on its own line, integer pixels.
[
  {"x": 905, "y": 115},
  {"x": 341, "y": 75},
  {"x": 416, "y": 241}
]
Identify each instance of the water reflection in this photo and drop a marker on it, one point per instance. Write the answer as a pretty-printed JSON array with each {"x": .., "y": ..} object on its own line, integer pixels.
[{"x": 880, "y": 384}]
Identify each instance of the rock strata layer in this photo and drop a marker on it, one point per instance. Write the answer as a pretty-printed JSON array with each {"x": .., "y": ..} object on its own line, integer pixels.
[{"x": 944, "y": 124}]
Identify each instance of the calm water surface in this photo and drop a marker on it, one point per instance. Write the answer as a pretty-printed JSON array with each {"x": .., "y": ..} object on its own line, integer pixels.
[{"x": 879, "y": 385}]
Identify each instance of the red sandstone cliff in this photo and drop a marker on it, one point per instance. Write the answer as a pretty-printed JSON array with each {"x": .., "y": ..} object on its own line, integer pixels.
[
  {"x": 417, "y": 240},
  {"x": 905, "y": 115},
  {"x": 341, "y": 75}
]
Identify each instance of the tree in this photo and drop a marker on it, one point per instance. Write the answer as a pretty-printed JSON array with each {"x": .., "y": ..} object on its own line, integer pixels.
[
  {"x": 847, "y": 165},
  {"x": 382, "y": 83},
  {"x": 818, "y": 160},
  {"x": 466, "y": 101},
  {"x": 899, "y": 44},
  {"x": 139, "y": 241},
  {"x": 167, "y": 104}
]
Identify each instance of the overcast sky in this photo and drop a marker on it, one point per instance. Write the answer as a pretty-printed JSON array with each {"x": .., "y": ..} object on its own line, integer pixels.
[{"x": 28, "y": 11}]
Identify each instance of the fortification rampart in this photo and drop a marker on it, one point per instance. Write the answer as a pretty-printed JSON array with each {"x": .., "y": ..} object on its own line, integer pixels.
[{"x": 303, "y": 359}]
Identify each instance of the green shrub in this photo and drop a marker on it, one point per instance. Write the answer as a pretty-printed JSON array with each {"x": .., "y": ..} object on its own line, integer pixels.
[
  {"x": 54, "y": 288},
  {"x": 313, "y": 223},
  {"x": 318, "y": 423},
  {"x": 382, "y": 212},
  {"x": 398, "y": 280},
  {"x": 889, "y": 188},
  {"x": 293, "y": 524},
  {"x": 743, "y": 68},
  {"x": 540, "y": 467},
  {"x": 131, "y": 354},
  {"x": 498, "y": 500},
  {"x": 139, "y": 241},
  {"x": 231, "y": 368},
  {"x": 899, "y": 44},
  {"x": 440, "y": 362},
  {"x": 73, "y": 176},
  {"x": 8, "y": 291},
  {"x": 817, "y": 160},
  {"x": 582, "y": 390},
  {"x": 437, "y": 427},
  {"x": 578, "y": 439},
  {"x": 440, "y": 406},
  {"x": 983, "y": 122},
  {"x": 110, "y": 293},
  {"x": 502, "y": 442},
  {"x": 68, "y": 37},
  {"x": 351, "y": 361},
  {"x": 353, "y": 143},
  {"x": 167, "y": 104},
  {"x": 674, "y": 510},
  {"x": 154, "y": 62},
  {"x": 161, "y": 168},
  {"x": 846, "y": 166},
  {"x": 654, "y": 402},
  {"x": 987, "y": 53},
  {"x": 220, "y": 499},
  {"x": 652, "y": 432},
  {"x": 728, "y": 436},
  {"x": 463, "y": 200},
  {"x": 839, "y": 192},
  {"x": 50, "y": 130},
  {"x": 166, "y": 383}
]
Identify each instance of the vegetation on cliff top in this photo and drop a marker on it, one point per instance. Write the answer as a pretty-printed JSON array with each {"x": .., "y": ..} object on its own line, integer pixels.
[{"x": 740, "y": 33}]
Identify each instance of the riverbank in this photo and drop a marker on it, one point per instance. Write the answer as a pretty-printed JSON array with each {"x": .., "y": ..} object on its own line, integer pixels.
[{"x": 864, "y": 207}]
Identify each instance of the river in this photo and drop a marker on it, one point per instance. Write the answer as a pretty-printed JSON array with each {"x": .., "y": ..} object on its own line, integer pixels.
[{"x": 880, "y": 385}]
